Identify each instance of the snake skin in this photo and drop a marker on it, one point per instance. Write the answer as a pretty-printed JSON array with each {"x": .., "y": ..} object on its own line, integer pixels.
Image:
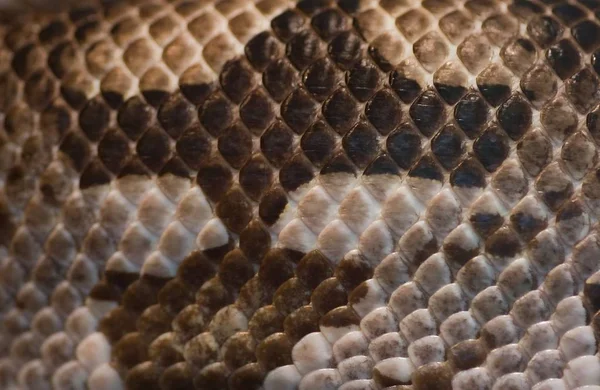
[{"x": 274, "y": 195}]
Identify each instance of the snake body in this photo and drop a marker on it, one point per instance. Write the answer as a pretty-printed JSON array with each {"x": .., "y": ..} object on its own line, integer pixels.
[{"x": 270, "y": 194}]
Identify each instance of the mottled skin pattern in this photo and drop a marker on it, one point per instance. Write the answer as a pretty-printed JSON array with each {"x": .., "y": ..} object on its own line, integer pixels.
[{"x": 352, "y": 194}]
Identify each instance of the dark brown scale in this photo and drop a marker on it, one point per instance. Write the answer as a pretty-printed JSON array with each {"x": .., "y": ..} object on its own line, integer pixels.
[
  {"x": 275, "y": 351},
  {"x": 341, "y": 111},
  {"x": 76, "y": 87},
  {"x": 194, "y": 85},
  {"x": 188, "y": 323},
  {"x": 103, "y": 291},
  {"x": 428, "y": 113},
  {"x": 235, "y": 210},
  {"x": 352, "y": 271},
  {"x": 277, "y": 266},
  {"x": 135, "y": 167},
  {"x": 235, "y": 270},
  {"x": 117, "y": 323},
  {"x": 304, "y": 48},
  {"x": 238, "y": 350},
  {"x": 382, "y": 165},
  {"x": 248, "y": 377},
  {"x": 427, "y": 168},
  {"x": 256, "y": 177},
  {"x": 339, "y": 163},
  {"x": 587, "y": 35},
  {"x": 235, "y": 145},
  {"x": 94, "y": 119},
  {"x": 175, "y": 115},
  {"x": 143, "y": 377},
  {"x": 328, "y": 295},
  {"x": 27, "y": 60},
  {"x": 591, "y": 291},
  {"x": 468, "y": 174},
  {"x": 196, "y": 269},
  {"x": 340, "y": 317},
  {"x": 175, "y": 296},
  {"x": 526, "y": 224},
  {"x": 257, "y": 112},
  {"x": 254, "y": 295},
  {"x": 89, "y": 31},
  {"x": 265, "y": 322},
  {"x": 263, "y": 49},
  {"x": 471, "y": 114},
  {"x": 154, "y": 86},
  {"x": 280, "y": 78},
  {"x": 404, "y": 146},
  {"x": 493, "y": 93},
  {"x": 345, "y": 49},
  {"x": 568, "y": 13},
  {"x": 272, "y": 204},
  {"x": 113, "y": 150},
  {"x": 194, "y": 146},
  {"x": 290, "y": 296},
  {"x": 313, "y": 269},
  {"x": 277, "y": 143},
  {"x": 491, "y": 148},
  {"x": 503, "y": 243},
  {"x": 318, "y": 143},
  {"x": 404, "y": 86},
  {"x": 62, "y": 58},
  {"x": 330, "y": 23},
  {"x": 213, "y": 296},
  {"x": 514, "y": 116},
  {"x": 40, "y": 89},
  {"x": 295, "y": 172},
  {"x": 448, "y": 146},
  {"x": 177, "y": 377},
  {"x": 301, "y": 322},
  {"x": 213, "y": 377},
  {"x": 467, "y": 354},
  {"x": 153, "y": 148},
  {"x": 142, "y": 293},
  {"x": 593, "y": 123},
  {"x": 384, "y": 111},
  {"x": 311, "y": 7},
  {"x": 216, "y": 114},
  {"x": 361, "y": 144},
  {"x": 237, "y": 80},
  {"x": 564, "y": 58},
  {"x": 94, "y": 174},
  {"x": 321, "y": 78},
  {"x": 153, "y": 322},
  {"x": 287, "y": 24}
]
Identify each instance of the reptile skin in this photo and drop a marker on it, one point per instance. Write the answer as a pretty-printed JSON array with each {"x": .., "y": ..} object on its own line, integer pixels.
[{"x": 274, "y": 195}]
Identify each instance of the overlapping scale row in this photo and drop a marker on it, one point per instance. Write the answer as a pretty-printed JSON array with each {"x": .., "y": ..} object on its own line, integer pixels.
[{"x": 301, "y": 195}]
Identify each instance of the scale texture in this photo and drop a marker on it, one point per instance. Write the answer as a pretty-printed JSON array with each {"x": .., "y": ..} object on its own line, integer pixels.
[{"x": 274, "y": 195}]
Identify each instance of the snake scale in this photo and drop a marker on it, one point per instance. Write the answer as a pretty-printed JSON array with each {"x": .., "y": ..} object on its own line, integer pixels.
[{"x": 314, "y": 194}]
